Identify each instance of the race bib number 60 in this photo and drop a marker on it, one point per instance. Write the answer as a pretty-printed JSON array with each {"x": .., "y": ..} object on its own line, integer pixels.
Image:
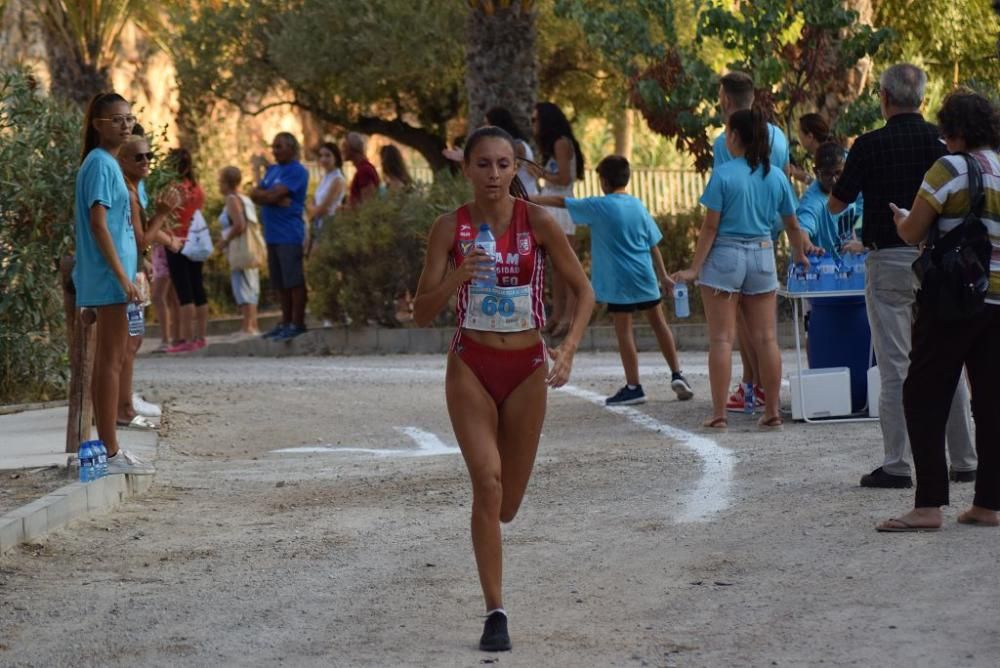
[{"x": 499, "y": 309}]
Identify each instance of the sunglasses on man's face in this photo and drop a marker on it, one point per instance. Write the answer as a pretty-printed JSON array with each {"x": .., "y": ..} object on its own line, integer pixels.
[{"x": 144, "y": 157}]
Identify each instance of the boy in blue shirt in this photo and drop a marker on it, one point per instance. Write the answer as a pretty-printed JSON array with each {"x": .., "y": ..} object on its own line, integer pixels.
[
  {"x": 625, "y": 263},
  {"x": 834, "y": 234}
]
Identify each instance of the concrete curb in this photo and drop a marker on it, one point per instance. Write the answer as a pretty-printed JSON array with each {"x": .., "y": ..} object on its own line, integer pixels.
[
  {"x": 385, "y": 341},
  {"x": 78, "y": 500}
]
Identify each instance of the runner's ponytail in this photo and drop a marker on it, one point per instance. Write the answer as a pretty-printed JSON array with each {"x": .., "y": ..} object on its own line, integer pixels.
[{"x": 751, "y": 128}]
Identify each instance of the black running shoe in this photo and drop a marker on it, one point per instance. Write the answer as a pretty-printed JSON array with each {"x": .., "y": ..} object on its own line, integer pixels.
[
  {"x": 626, "y": 397},
  {"x": 962, "y": 476},
  {"x": 879, "y": 478},
  {"x": 495, "y": 637},
  {"x": 679, "y": 384}
]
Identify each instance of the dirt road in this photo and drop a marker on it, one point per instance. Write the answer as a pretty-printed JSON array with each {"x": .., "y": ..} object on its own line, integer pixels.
[{"x": 642, "y": 541}]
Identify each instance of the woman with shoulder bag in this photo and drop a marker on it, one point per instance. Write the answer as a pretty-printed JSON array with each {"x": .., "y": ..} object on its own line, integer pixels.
[
  {"x": 948, "y": 336},
  {"x": 240, "y": 236}
]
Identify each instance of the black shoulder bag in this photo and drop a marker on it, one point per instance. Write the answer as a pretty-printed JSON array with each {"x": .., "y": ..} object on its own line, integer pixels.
[{"x": 954, "y": 269}]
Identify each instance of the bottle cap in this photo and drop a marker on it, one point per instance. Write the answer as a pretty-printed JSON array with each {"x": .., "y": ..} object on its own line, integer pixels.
[{"x": 485, "y": 227}]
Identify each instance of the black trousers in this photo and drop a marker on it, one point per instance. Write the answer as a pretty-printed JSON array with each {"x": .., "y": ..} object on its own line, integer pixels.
[
  {"x": 187, "y": 279},
  {"x": 940, "y": 349}
]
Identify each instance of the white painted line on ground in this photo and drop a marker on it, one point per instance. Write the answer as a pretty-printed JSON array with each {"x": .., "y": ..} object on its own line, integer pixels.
[
  {"x": 428, "y": 445},
  {"x": 711, "y": 494}
]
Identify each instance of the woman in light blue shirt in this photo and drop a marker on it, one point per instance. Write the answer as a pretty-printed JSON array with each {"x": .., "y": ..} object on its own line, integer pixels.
[
  {"x": 106, "y": 259},
  {"x": 734, "y": 259}
]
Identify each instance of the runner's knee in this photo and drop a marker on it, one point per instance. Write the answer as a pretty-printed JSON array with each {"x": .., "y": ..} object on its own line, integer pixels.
[{"x": 487, "y": 490}]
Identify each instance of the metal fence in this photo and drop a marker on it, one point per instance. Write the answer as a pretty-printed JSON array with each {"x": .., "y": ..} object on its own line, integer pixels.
[{"x": 661, "y": 190}]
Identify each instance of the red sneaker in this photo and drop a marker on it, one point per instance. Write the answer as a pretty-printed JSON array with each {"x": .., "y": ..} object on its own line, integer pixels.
[
  {"x": 181, "y": 347},
  {"x": 198, "y": 344},
  {"x": 737, "y": 400},
  {"x": 759, "y": 398}
]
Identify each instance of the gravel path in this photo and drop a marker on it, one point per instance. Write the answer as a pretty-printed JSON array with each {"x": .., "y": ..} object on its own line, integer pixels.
[{"x": 637, "y": 544}]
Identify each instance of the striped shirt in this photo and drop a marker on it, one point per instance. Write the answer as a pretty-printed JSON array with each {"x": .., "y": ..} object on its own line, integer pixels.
[{"x": 946, "y": 189}]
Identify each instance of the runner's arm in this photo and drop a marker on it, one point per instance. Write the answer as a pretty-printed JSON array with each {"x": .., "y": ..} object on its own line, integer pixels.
[
  {"x": 437, "y": 284},
  {"x": 564, "y": 260}
]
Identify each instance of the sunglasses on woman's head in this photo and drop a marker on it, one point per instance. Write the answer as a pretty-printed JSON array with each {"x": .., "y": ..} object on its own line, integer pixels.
[{"x": 144, "y": 157}]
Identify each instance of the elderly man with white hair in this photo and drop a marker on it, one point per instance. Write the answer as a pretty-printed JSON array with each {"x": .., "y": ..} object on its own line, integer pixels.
[
  {"x": 887, "y": 166},
  {"x": 365, "y": 183}
]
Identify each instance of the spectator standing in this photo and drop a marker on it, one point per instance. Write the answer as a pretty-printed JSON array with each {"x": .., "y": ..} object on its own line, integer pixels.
[
  {"x": 564, "y": 164},
  {"x": 886, "y": 166},
  {"x": 736, "y": 93},
  {"x": 134, "y": 157},
  {"x": 186, "y": 274},
  {"x": 814, "y": 131},
  {"x": 734, "y": 259},
  {"x": 282, "y": 196},
  {"x": 365, "y": 183},
  {"x": 238, "y": 214},
  {"x": 395, "y": 175},
  {"x": 970, "y": 125},
  {"x": 330, "y": 192},
  {"x": 106, "y": 261}
]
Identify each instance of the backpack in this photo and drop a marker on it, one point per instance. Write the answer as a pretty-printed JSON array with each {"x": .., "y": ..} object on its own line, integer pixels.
[
  {"x": 198, "y": 246},
  {"x": 954, "y": 269}
]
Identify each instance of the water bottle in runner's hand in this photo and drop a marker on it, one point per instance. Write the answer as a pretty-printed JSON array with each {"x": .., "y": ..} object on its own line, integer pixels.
[
  {"x": 136, "y": 325},
  {"x": 682, "y": 309},
  {"x": 486, "y": 241}
]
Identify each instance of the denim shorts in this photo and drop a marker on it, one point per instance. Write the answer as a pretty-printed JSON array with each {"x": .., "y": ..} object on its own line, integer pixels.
[{"x": 744, "y": 266}]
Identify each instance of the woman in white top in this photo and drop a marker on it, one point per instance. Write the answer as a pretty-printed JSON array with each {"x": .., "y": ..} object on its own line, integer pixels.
[
  {"x": 238, "y": 213},
  {"x": 563, "y": 162},
  {"x": 329, "y": 193}
]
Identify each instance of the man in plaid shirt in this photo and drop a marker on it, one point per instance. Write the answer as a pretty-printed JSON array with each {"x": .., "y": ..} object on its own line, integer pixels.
[{"x": 888, "y": 165}]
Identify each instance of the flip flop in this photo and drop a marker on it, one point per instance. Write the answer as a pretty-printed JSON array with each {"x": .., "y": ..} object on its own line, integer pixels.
[
  {"x": 904, "y": 527},
  {"x": 974, "y": 522},
  {"x": 771, "y": 424},
  {"x": 719, "y": 424},
  {"x": 137, "y": 422}
]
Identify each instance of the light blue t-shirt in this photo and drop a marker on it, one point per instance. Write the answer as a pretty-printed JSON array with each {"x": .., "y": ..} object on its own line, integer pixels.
[
  {"x": 779, "y": 148},
  {"x": 622, "y": 233},
  {"x": 748, "y": 201},
  {"x": 824, "y": 228},
  {"x": 100, "y": 181},
  {"x": 284, "y": 224}
]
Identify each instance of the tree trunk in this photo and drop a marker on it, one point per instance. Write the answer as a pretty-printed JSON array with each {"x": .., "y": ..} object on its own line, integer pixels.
[
  {"x": 841, "y": 93},
  {"x": 72, "y": 78},
  {"x": 624, "y": 124},
  {"x": 500, "y": 62}
]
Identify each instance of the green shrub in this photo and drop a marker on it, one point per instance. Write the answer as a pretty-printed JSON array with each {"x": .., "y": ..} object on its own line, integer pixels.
[
  {"x": 39, "y": 157},
  {"x": 369, "y": 256}
]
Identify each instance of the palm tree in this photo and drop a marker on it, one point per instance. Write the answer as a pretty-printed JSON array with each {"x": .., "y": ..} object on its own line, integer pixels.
[
  {"x": 500, "y": 59},
  {"x": 81, "y": 37}
]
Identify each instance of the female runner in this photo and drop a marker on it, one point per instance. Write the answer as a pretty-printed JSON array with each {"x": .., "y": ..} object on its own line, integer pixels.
[{"x": 496, "y": 380}]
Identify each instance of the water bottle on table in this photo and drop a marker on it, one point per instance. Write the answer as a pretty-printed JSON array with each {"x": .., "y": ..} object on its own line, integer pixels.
[
  {"x": 682, "y": 308},
  {"x": 85, "y": 455},
  {"x": 486, "y": 241}
]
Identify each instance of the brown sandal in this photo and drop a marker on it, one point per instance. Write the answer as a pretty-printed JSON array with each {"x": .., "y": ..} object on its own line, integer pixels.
[
  {"x": 716, "y": 424},
  {"x": 771, "y": 423}
]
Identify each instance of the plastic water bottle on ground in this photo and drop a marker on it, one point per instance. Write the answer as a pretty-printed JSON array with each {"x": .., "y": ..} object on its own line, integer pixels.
[
  {"x": 748, "y": 398},
  {"x": 682, "y": 308},
  {"x": 136, "y": 323},
  {"x": 486, "y": 241},
  {"x": 101, "y": 458},
  {"x": 85, "y": 455}
]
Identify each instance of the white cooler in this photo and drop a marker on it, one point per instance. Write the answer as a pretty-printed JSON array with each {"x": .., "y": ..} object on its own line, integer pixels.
[{"x": 826, "y": 393}]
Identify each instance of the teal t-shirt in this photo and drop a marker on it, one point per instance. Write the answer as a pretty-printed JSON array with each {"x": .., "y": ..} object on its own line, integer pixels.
[
  {"x": 622, "y": 233},
  {"x": 748, "y": 201},
  {"x": 779, "y": 148},
  {"x": 825, "y": 229},
  {"x": 100, "y": 181}
]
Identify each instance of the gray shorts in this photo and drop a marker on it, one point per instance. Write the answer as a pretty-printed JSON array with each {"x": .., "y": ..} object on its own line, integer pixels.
[
  {"x": 743, "y": 266},
  {"x": 246, "y": 286},
  {"x": 284, "y": 264}
]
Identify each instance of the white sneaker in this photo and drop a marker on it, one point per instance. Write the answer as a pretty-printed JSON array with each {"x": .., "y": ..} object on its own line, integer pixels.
[
  {"x": 144, "y": 408},
  {"x": 127, "y": 463}
]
